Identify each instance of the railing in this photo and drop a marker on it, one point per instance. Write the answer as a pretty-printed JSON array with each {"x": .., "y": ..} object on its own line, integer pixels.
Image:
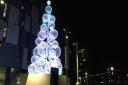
[{"x": 115, "y": 77}]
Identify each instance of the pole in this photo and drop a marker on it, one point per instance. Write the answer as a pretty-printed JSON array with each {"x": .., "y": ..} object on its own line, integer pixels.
[
  {"x": 66, "y": 49},
  {"x": 66, "y": 52},
  {"x": 86, "y": 78},
  {"x": 77, "y": 68}
]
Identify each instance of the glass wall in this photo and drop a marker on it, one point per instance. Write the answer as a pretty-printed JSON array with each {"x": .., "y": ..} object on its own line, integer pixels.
[
  {"x": 11, "y": 76},
  {"x": 2, "y": 76}
]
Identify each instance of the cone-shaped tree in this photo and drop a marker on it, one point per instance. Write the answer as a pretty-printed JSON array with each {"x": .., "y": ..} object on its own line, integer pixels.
[{"x": 47, "y": 51}]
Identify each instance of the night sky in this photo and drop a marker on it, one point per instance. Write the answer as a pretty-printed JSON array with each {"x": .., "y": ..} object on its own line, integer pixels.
[{"x": 100, "y": 28}]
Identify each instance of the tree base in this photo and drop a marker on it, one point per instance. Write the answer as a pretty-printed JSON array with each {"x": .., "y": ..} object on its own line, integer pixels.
[
  {"x": 38, "y": 79},
  {"x": 44, "y": 79}
]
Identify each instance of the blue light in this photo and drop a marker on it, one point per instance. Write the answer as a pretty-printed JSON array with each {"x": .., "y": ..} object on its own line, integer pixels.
[
  {"x": 48, "y": 9},
  {"x": 46, "y": 53}
]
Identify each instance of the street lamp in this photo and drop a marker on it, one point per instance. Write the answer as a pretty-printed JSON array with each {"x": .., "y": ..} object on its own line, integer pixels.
[
  {"x": 86, "y": 78},
  {"x": 2, "y": 2},
  {"x": 112, "y": 68},
  {"x": 76, "y": 44},
  {"x": 111, "y": 73},
  {"x": 66, "y": 49}
]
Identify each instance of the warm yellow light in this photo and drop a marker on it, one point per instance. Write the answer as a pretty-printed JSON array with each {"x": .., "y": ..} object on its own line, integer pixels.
[
  {"x": 2, "y": 2},
  {"x": 38, "y": 79}
]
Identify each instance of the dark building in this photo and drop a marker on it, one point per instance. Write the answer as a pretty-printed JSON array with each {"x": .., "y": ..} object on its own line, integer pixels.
[
  {"x": 18, "y": 30},
  {"x": 17, "y": 34}
]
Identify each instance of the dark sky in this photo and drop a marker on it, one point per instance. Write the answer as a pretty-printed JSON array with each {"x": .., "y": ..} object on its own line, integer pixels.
[{"x": 99, "y": 28}]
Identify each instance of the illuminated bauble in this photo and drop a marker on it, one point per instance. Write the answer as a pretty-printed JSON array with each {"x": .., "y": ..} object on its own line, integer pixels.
[
  {"x": 48, "y": 2},
  {"x": 51, "y": 56},
  {"x": 53, "y": 44},
  {"x": 45, "y": 18},
  {"x": 37, "y": 51},
  {"x": 42, "y": 61},
  {"x": 56, "y": 64},
  {"x": 40, "y": 52},
  {"x": 38, "y": 40},
  {"x": 34, "y": 58},
  {"x": 48, "y": 67},
  {"x": 43, "y": 26},
  {"x": 52, "y": 19},
  {"x": 32, "y": 68},
  {"x": 43, "y": 33},
  {"x": 43, "y": 45},
  {"x": 57, "y": 51},
  {"x": 53, "y": 34},
  {"x": 51, "y": 25},
  {"x": 48, "y": 9}
]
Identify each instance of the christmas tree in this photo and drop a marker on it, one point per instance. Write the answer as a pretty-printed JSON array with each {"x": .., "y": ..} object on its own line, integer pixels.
[{"x": 47, "y": 51}]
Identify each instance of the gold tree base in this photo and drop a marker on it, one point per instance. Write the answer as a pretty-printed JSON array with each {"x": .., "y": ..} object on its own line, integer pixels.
[
  {"x": 43, "y": 79},
  {"x": 38, "y": 79}
]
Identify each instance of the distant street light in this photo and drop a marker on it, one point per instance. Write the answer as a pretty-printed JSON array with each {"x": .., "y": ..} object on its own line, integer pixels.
[
  {"x": 77, "y": 68},
  {"x": 66, "y": 37},
  {"x": 86, "y": 73},
  {"x": 112, "y": 68},
  {"x": 2, "y": 2},
  {"x": 67, "y": 50},
  {"x": 86, "y": 78}
]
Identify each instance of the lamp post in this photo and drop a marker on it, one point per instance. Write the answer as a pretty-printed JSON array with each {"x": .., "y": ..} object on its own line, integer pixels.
[
  {"x": 66, "y": 50},
  {"x": 86, "y": 78},
  {"x": 77, "y": 68},
  {"x": 111, "y": 74}
]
